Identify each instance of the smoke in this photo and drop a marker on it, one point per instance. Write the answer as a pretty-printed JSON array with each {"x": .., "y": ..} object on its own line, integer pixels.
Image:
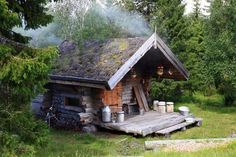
[
  {"x": 70, "y": 16},
  {"x": 131, "y": 22},
  {"x": 41, "y": 37}
]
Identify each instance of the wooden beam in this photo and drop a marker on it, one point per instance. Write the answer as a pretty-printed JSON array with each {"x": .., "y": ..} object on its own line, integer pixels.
[
  {"x": 143, "y": 97},
  {"x": 138, "y": 97},
  {"x": 77, "y": 84}
]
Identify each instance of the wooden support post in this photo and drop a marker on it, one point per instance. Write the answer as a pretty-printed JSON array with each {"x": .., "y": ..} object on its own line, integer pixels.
[
  {"x": 167, "y": 135},
  {"x": 199, "y": 123},
  {"x": 183, "y": 128}
]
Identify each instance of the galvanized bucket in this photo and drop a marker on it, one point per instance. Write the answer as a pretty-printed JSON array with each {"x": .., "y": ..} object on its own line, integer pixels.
[{"x": 120, "y": 117}]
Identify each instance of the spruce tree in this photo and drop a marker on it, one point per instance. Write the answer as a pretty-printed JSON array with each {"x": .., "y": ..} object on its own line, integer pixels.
[
  {"x": 168, "y": 18},
  {"x": 220, "y": 56},
  {"x": 23, "y": 74},
  {"x": 145, "y": 7},
  {"x": 29, "y": 14},
  {"x": 195, "y": 49}
]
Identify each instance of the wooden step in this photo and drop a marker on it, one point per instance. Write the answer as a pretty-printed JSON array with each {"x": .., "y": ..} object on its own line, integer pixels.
[{"x": 181, "y": 126}]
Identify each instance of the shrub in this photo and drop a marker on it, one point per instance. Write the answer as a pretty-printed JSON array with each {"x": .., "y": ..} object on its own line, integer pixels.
[
  {"x": 10, "y": 146},
  {"x": 166, "y": 90},
  {"x": 24, "y": 125}
]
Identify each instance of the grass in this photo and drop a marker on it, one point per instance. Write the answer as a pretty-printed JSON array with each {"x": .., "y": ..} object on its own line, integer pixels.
[
  {"x": 218, "y": 121},
  {"x": 73, "y": 144}
]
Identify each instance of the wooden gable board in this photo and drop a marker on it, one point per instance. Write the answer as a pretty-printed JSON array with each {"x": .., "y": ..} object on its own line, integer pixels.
[
  {"x": 171, "y": 57},
  {"x": 125, "y": 68},
  {"x": 153, "y": 41}
]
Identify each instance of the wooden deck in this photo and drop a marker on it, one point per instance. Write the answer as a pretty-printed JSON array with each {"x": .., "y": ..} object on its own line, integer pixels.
[{"x": 149, "y": 123}]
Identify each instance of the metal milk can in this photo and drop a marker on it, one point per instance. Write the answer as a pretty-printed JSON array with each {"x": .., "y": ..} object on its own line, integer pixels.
[{"x": 106, "y": 114}]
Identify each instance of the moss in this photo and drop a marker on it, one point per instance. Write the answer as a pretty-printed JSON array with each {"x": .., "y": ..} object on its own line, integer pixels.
[
  {"x": 115, "y": 56},
  {"x": 104, "y": 57},
  {"x": 123, "y": 45},
  {"x": 118, "y": 62}
]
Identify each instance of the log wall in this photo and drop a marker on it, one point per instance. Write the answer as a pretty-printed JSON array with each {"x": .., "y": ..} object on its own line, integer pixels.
[
  {"x": 127, "y": 92},
  {"x": 86, "y": 109},
  {"x": 92, "y": 100}
]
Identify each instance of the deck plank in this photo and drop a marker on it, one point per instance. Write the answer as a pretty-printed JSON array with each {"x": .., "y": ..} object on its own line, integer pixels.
[
  {"x": 175, "y": 127},
  {"x": 150, "y": 122}
]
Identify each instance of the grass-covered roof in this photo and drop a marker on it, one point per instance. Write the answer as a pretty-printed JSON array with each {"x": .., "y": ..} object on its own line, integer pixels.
[{"x": 97, "y": 60}]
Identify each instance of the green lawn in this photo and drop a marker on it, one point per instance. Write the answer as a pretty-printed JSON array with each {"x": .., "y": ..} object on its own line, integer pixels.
[{"x": 218, "y": 121}]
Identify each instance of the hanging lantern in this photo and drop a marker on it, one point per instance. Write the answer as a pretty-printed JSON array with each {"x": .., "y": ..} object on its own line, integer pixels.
[
  {"x": 170, "y": 72},
  {"x": 133, "y": 73},
  {"x": 160, "y": 70}
]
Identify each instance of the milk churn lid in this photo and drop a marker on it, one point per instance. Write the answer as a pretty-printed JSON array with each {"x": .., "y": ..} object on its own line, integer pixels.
[
  {"x": 162, "y": 103},
  {"x": 106, "y": 109}
]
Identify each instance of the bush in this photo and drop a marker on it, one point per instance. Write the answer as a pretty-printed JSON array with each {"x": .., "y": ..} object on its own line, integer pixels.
[
  {"x": 10, "y": 146},
  {"x": 21, "y": 134},
  {"x": 229, "y": 91},
  {"x": 23, "y": 124},
  {"x": 166, "y": 90}
]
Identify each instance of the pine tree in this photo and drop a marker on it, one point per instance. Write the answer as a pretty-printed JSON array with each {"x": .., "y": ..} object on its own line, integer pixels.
[{"x": 220, "y": 56}]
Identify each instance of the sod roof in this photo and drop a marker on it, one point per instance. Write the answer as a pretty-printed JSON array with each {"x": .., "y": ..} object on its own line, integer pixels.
[
  {"x": 98, "y": 60},
  {"x": 106, "y": 63}
]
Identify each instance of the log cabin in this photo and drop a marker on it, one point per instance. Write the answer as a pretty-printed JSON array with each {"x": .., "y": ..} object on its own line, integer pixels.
[{"x": 115, "y": 73}]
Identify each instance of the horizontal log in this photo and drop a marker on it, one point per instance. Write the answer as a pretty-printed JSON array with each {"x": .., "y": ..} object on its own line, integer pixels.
[
  {"x": 65, "y": 110},
  {"x": 126, "y": 97},
  {"x": 68, "y": 116},
  {"x": 126, "y": 102},
  {"x": 86, "y": 118},
  {"x": 115, "y": 109},
  {"x": 91, "y": 110},
  {"x": 127, "y": 94},
  {"x": 149, "y": 145},
  {"x": 87, "y": 99}
]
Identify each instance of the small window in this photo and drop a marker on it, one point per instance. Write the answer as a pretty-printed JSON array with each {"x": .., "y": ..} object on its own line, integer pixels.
[{"x": 72, "y": 101}]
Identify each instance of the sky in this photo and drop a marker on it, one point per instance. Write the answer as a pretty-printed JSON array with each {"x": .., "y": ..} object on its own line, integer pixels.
[{"x": 189, "y": 6}]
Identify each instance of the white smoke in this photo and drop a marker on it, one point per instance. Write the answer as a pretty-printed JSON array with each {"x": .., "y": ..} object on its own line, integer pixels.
[
  {"x": 131, "y": 22},
  {"x": 41, "y": 37},
  {"x": 74, "y": 13}
]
